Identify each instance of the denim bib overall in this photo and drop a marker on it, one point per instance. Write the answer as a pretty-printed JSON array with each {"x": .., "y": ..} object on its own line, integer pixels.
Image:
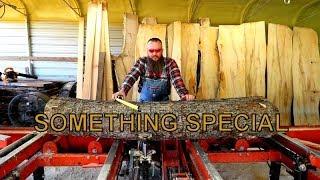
[{"x": 155, "y": 89}]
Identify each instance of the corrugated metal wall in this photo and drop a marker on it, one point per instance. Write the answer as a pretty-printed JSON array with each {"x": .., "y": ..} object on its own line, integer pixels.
[
  {"x": 13, "y": 40},
  {"x": 48, "y": 39}
]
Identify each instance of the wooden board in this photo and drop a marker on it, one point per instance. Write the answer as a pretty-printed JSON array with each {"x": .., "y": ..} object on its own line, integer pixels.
[
  {"x": 96, "y": 66},
  {"x": 107, "y": 70},
  {"x": 146, "y": 32},
  {"x": 204, "y": 22},
  {"x": 209, "y": 69},
  {"x": 80, "y": 58},
  {"x": 90, "y": 37},
  {"x": 306, "y": 76},
  {"x": 174, "y": 50},
  {"x": 256, "y": 58},
  {"x": 279, "y": 76},
  {"x": 190, "y": 37},
  {"x": 120, "y": 70},
  {"x": 149, "y": 20},
  {"x": 130, "y": 31},
  {"x": 231, "y": 45}
]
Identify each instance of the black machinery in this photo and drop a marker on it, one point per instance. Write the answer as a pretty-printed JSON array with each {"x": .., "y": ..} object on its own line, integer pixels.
[
  {"x": 10, "y": 75},
  {"x": 22, "y": 100}
]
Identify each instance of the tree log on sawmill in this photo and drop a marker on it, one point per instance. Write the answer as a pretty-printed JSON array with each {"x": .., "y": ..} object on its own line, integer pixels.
[{"x": 234, "y": 117}]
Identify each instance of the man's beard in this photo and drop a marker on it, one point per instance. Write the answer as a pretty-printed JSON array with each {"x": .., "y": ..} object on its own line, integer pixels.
[{"x": 156, "y": 66}]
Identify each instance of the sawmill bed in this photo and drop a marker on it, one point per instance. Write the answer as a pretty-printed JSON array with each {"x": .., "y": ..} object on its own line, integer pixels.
[{"x": 24, "y": 152}]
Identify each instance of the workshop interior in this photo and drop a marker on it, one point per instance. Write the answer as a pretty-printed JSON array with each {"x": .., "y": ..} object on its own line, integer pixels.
[{"x": 252, "y": 66}]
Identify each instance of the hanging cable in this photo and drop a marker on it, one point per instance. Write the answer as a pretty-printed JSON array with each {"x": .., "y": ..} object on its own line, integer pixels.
[{"x": 4, "y": 10}]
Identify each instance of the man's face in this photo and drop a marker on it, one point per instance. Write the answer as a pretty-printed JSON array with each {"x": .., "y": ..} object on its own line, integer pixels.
[{"x": 154, "y": 50}]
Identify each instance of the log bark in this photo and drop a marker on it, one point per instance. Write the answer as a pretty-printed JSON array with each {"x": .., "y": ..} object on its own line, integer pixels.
[{"x": 251, "y": 106}]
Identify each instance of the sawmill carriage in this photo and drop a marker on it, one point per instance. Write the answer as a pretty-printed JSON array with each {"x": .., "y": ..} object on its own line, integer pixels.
[{"x": 253, "y": 66}]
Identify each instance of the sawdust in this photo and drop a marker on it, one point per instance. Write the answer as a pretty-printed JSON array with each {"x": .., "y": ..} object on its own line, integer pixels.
[
  {"x": 252, "y": 171},
  {"x": 66, "y": 173}
]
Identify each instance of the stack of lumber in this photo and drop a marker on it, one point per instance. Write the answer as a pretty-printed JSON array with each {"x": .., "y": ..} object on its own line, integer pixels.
[
  {"x": 97, "y": 82},
  {"x": 215, "y": 62}
]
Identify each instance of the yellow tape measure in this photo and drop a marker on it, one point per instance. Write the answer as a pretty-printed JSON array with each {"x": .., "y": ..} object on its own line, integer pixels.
[{"x": 130, "y": 105}]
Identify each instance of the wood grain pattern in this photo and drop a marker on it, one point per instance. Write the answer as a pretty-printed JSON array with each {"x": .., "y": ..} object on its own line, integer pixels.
[
  {"x": 231, "y": 45},
  {"x": 209, "y": 73},
  {"x": 256, "y": 58},
  {"x": 90, "y": 37},
  {"x": 97, "y": 58},
  {"x": 190, "y": 37},
  {"x": 130, "y": 31},
  {"x": 279, "y": 75},
  {"x": 107, "y": 70},
  {"x": 306, "y": 76},
  {"x": 174, "y": 50}
]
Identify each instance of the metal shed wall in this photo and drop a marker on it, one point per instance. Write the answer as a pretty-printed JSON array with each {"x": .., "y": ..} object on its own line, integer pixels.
[{"x": 48, "y": 40}]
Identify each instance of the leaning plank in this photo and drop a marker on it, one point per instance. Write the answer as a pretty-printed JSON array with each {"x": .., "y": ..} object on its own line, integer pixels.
[
  {"x": 120, "y": 69},
  {"x": 209, "y": 69},
  {"x": 190, "y": 37},
  {"x": 107, "y": 88},
  {"x": 146, "y": 32},
  {"x": 80, "y": 58},
  {"x": 130, "y": 31},
  {"x": 256, "y": 58},
  {"x": 90, "y": 37},
  {"x": 231, "y": 45},
  {"x": 168, "y": 119},
  {"x": 306, "y": 75},
  {"x": 279, "y": 76},
  {"x": 174, "y": 50},
  {"x": 97, "y": 59}
]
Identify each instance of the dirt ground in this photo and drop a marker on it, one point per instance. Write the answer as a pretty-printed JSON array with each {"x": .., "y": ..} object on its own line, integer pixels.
[{"x": 257, "y": 171}]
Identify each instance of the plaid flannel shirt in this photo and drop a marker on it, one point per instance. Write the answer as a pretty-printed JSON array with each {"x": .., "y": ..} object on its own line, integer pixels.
[{"x": 139, "y": 69}]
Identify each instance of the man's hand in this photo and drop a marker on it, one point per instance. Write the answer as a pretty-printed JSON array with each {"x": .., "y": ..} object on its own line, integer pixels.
[
  {"x": 188, "y": 97},
  {"x": 119, "y": 93}
]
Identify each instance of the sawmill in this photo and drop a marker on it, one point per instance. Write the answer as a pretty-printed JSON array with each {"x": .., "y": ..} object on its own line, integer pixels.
[{"x": 170, "y": 89}]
